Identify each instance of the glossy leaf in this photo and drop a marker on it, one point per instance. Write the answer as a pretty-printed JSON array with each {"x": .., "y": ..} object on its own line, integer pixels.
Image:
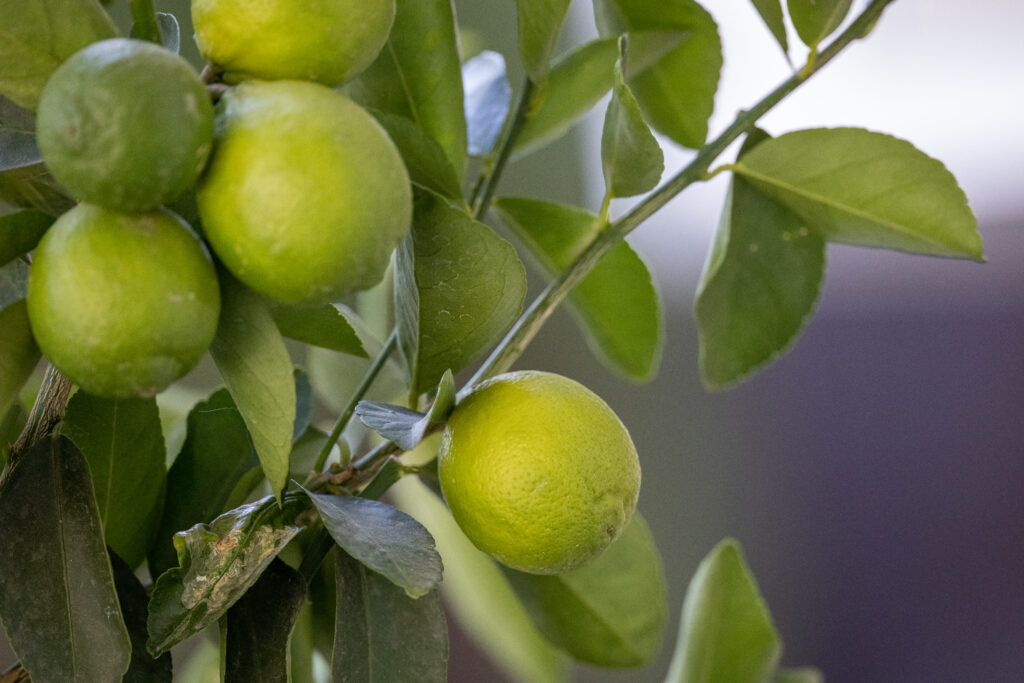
[
  {"x": 408, "y": 427},
  {"x": 325, "y": 326},
  {"x": 384, "y": 539},
  {"x": 458, "y": 289},
  {"x": 131, "y": 595},
  {"x": 381, "y": 634},
  {"x": 20, "y": 232},
  {"x": 804, "y": 674},
  {"x": 631, "y": 158},
  {"x": 815, "y": 20},
  {"x": 38, "y": 35},
  {"x": 122, "y": 441},
  {"x": 57, "y": 599},
  {"x": 610, "y": 612},
  {"x": 868, "y": 189},
  {"x": 260, "y": 625},
  {"x": 676, "y": 94},
  {"x": 424, "y": 158},
  {"x": 726, "y": 633},
  {"x": 539, "y": 22},
  {"x": 616, "y": 303},
  {"x": 19, "y": 354},
  {"x": 771, "y": 14},
  {"x": 488, "y": 95},
  {"x": 257, "y": 370},
  {"x": 217, "y": 563}
]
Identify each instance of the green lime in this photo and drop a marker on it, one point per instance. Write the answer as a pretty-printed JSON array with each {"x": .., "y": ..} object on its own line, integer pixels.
[
  {"x": 125, "y": 124},
  {"x": 305, "y": 196},
  {"x": 123, "y": 304},
  {"x": 538, "y": 471}
]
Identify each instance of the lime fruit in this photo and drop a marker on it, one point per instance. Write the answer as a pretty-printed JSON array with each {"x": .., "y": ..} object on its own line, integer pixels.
[
  {"x": 329, "y": 41},
  {"x": 125, "y": 124},
  {"x": 123, "y": 304},
  {"x": 305, "y": 196},
  {"x": 538, "y": 471}
]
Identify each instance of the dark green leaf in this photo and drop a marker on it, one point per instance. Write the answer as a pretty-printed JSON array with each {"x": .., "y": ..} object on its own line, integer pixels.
[
  {"x": 133, "y": 599},
  {"x": 610, "y": 612},
  {"x": 13, "y": 282},
  {"x": 771, "y": 14},
  {"x": 214, "y": 469},
  {"x": 381, "y": 634},
  {"x": 217, "y": 563},
  {"x": 805, "y": 674},
  {"x": 539, "y": 24},
  {"x": 122, "y": 441},
  {"x": 36, "y": 36},
  {"x": 384, "y": 478},
  {"x": 408, "y": 427},
  {"x": 458, "y": 289},
  {"x": 257, "y": 370},
  {"x": 57, "y": 598},
  {"x": 864, "y": 188},
  {"x": 424, "y": 158},
  {"x": 676, "y": 94},
  {"x": 487, "y": 100},
  {"x": 384, "y": 539},
  {"x": 726, "y": 633},
  {"x": 11, "y": 424},
  {"x": 19, "y": 354},
  {"x": 20, "y": 232},
  {"x": 417, "y": 75},
  {"x": 616, "y": 303},
  {"x": 631, "y": 158},
  {"x": 815, "y": 20},
  {"x": 18, "y": 148},
  {"x": 303, "y": 405},
  {"x": 260, "y": 624},
  {"x": 325, "y": 326}
]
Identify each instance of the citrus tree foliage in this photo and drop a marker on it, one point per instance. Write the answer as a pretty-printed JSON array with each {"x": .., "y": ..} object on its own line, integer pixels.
[{"x": 254, "y": 518}]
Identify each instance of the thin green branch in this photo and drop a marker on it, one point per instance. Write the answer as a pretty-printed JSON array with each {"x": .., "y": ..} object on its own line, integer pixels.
[
  {"x": 145, "y": 25},
  {"x": 488, "y": 183}
]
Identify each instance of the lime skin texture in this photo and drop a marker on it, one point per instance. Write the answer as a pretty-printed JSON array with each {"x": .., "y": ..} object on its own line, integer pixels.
[
  {"x": 123, "y": 304},
  {"x": 327, "y": 41},
  {"x": 305, "y": 196},
  {"x": 125, "y": 124},
  {"x": 538, "y": 471}
]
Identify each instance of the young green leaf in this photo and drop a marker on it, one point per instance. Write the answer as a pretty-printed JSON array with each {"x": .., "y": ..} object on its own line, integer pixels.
[
  {"x": 325, "y": 326},
  {"x": 384, "y": 539},
  {"x": 170, "y": 31},
  {"x": 408, "y": 427},
  {"x": 771, "y": 14},
  {"x": 616, "y": 303},
  {"x": 488, "y": 95},
  {"x": 539, "y": 22},
  {"x": 38, "y": 35},
  {"x": 57, "y": 599},
  {"x": 424, "y": 158},
  {"x": 726, "y": 633},
  {"x": 19, "y": 354},
  {"x": 259, "y": 627},
  {"x": 217, "y": 563},
  {"x": 122, "y": 441},
  {"x": 20, "y": 232},
  {"x": 257, "y": 370},
  {"x": 631, "y": 158},
  {"x": 804, "y": 674},
  {"x": 815, "y": 20},
  {"x": 383, "y": 635},
  {"x": 458, "y": 289},
  {"x": 676, "y": 94},
  {"x": 131, "y": 595},
  {"x": 610, "y": 612},
  {"x": 868, "y": 189}
]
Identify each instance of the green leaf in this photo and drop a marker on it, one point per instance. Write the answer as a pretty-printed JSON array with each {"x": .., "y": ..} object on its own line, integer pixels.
[
  {"x": 260, "y": 624},
  {"x": 759, "y": 287},
  {"x": 539, "y": 22},
  {"x": 771, "y": 14},
  {"x": 131, "y": 595},
  {"x": 488, "y": 95},
  {"x": 17, "y": 148},
  {"x": 36, "y": 36},
  {"x": 13, "y": 283},
  {"x": 20, "y": 232},
  {"x": 170, "y": 32},
  {"x": 631, "y": 158},
  {"x": 122, "y": 441},
  {"x": 217, "y": 565},
  {"x": 864, "y": 188},
  {"x": 726, "y": 632},
  {"x": 610, "y": 612},
  {"x": 11, "y": 424},
  {"x": 57, "y": 598},
  {"x": 616, "y": 303},
  {"x": 34, "y": 187},
  {"x": 303, "y": 405},
  {"x": 19, "y": 354},
  {"x": 815, "y": 20},
  {"x": 804, "y": 674},
  {"x": 418, "y": 75},
  {"x": 257, "y": 370},
  {"x": 676, "y": 94},
  {"x": 458, "y": 288},
  {"x": 215, "y": 468},
  {"x": 384, "y": 539},
  {"x": 383, "y": 479},
  {"x": 381, "y": 634},
  {"x": 424, "y": 158},
  {"x": 408, "y": 427},
  {"x": 325, "y": 326}
]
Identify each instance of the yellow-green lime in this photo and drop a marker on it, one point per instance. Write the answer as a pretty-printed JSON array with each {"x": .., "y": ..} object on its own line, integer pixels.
[
  {"x": 123, "y": 304},
  {"x": 305, "y": 196},
  {"x": 538, "y": 471},
  {"x": 125, "y": 124},
  {"x": 328, "y": 41}
]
